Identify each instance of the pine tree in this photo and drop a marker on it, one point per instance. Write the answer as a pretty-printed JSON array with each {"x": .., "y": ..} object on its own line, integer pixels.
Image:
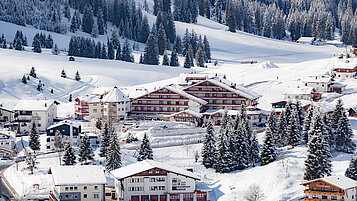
[
  {"x": 73, "y": 28},
  {"x": 114, "y": 38},
  {"x": 49, "y": 42},
  {"x": 199, "y": 57},
  {"x": 145, "y": 151},
  {"x": 77, "y": 76},
  {"x": 126, "y": 52},
  {"x": 268, "y": 153},
  {"x": 69, "y": 158},
  {"x": 24, "y": 79},
  {"x": 70, "y": 98},
  {"x": 85, "y": 150},
  {"x": 88, "y": 19},
  {"x": 63, "y": 74},
  {"x": 206, "y": 49},
  {"x": 151, "y": 52},
  {"x": 36, "y": 45},
  {"x": 34, "y": 141},
  {"x": 100, "y": 22},
  {"x": 178, "y": 45},
  {"x": 161, "y": 39},
  {"x": 272, "y": 123},
  {"x": 141, "y": 59},
  {"x": 230, "y": 17},
  {"x": 39, "y": 86},
  {"x": 18, "y": 44},
  {"x": 174, "y": 59},
  {"x": 318, "y": 162},
  {"x": 110, "y": 51},
  {"x": 223, "y": 156},
  {"x": 118, "y": 53},
  {"x": 187, "y": 63},
  {"x": 104, "y": 142},
  {"x": 329, "y": 132},
  {"x": 351, "y": 171},
  {"x": 55, "y": 50},
  {"x": 293, "y": 132},
  {"x": 281, "y": 139},
  {"x": 95, "y": 30},
  {"x": 165, "y": 59},
  {"x": 33, "y": 72},
  {"x": 113, "y": 159},
  {"x": 209, "y": 149},
  {"x": 307, "y": 123},
  {"x": 144, "y": 30}
]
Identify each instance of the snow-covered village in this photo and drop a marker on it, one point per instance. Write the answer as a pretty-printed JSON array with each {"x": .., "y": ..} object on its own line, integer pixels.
[{"x": 178, "y": 100}]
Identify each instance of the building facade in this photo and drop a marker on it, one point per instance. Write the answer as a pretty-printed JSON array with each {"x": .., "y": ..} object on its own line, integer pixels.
[
  {"x": 345, "y": 69},
  {"x": 42, "y": 112},
  {"x": 6, "y": 116},
  {"x": 7, "y": 143},
  {"x": 151, "y": 180},
  {"x": 330, "y": 188},
  {"x": 68, "y": 130},
  {"x": 78, "y": 183}
]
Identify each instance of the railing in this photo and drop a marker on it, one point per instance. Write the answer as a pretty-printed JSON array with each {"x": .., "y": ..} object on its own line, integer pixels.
[
  {"x": 158, "y": 104},
  {"x": 316, "y": 199},
  {"x": 158, "y": 98},
  {"x": 330, "y": 193}
]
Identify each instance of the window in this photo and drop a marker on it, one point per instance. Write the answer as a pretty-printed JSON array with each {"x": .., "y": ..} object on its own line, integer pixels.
[
  {"x": 75, "y": 188},
  {"x": 95, "y": 195},
  {"x": 84, "y": 195},
  {"x": 334, "y": 190},
  {"x": 95, "y": 110},
  {"x": 85, "y": 187},
  {"x": 136, "y": 188},
  {"x": 95, "y": 187},
  {"x": 334, "y": 197},
  {"x": 324, "y": 189},
  {"x": 66, "y": 188},
  {"x": 324, "y": 197},
  {"x": 71, "y": 188},
  {"x": 314, "y": 188}
]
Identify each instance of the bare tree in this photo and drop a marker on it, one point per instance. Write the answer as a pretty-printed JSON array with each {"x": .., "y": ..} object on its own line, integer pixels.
[
  {"x": 254, "y": 193},
  {"x": 59, "y": 144}
]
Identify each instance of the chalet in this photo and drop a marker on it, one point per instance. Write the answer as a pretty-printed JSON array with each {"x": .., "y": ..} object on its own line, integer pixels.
[
  {"x": 42, "y": 112},
  {"x": 337, "y": 87},
  {"x": 167, "y": 100},
  {"x": 319, "y": 83},
  {"x": 68, "y": 130},
  {"x": 6, "y": 116},
  {"x": 352, "y": 112},
  {"x": 302, "y": 93},
  {"x": 306, "y": 40},
  {"x": 156, "y": 181},
  {"x": 78, "y": 183},
  {"x": 87, "y": 107},
  {"x": 7, "y": 143},
  {"x": 345, "y": 69},
  {"x": 330, "y": 188}
]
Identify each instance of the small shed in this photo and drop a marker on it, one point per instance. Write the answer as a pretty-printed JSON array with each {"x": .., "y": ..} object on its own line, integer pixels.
[
  {"x": 71, "y": 58},
  {"x": 306, "y": 40}
]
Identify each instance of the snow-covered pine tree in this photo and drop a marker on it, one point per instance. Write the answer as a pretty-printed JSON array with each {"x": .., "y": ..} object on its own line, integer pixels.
[
  {"x": 307, "y": 123},
  {"x": 161, "y": 39},
  {"x": 49, "y": 42},
  {"x": 70, "y": 99},
  {"x": 110, "y": 51},
  {"x": 344, "y": 135},
  {"x": 55, "y": 50},
  {"x": 145, "y": 151},
  {"x": 118, "y": 53},
  {"x": 223, "y": 154},
  {"x": 318, "y": 162},
  {"x": 113, "y": 159},
  {"x": 328, "y": 128},
  {"x": 104, "y": 141},
  {"x": 114, "y": 38},
  {"x": 351, "y": 171},
  {"x": 88, "y": 19},
  {"x": 24, "y": 79},
  {"x": 200, "y": 57},
  {"x": 174, "y": 60},
  {"x": 209, "y": 149},
  {"x": 272, "y": 123},
  {"x": 39, "y": 86},
  {"x": 77, "y": 77},
  {"x": 188, "y": 62},
  {"x": 178, "y": 45},
  {"x": 268, "y": 153},
  {"x": 95, "y": 30},
  {"x": 300, "y": 114},
  {"x": 151, "y": 52},
  {"x": 36, "y": 45},
  {"x": 126, "y": 52},
  {"x": 63, "y": 74},
  {"x": 281, "y": 139},
  {"x": 34, "y": 141},
  {"x": 85, "y": 150},
  {"x": 165, "y": 59},
  {"x": 254, "y": 148},
  {"x": 100, "y": 22},
  {"x": 33, "y": 72},
  {"x": 293, "y": 131},
  {"x": 68, "y": 157}
]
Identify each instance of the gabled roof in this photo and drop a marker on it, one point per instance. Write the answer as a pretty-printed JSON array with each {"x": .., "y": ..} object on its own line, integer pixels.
[
  {"x": 318, "y": 79},
  {"x": 338, "y": 181},
  {"x": 65, "y": 122},
  {"x": 101, "y": 90},
  {"x": 298, "y": 90},
  {"x": 135, "y": 168},
  {"x": 34, "y": 105},
  {"x": 78, "y": 175},
  {"x": 345, "y": 64},
  {"x": 3, "y": 108},
  {"x": 115, "y": 96},
  {"x": 175, "y": 89},
  {"x": 306, "y": 39},
  {"x": 188, "y": 78}
]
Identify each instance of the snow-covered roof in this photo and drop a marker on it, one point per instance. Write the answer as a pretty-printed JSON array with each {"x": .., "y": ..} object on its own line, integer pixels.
[
  {"x": 187, "y": 78},
  {"x": 175, "y": 89},
  {"x": 145, "y": 165},
  {"x": 65, "y": 122},
  {"x": 239, "y": 89},
  {"x": 236, "y": 112},
  {"x": 305, "y": 39},
  {"x": 318, "y": 79},
  {"x": 101, "y": 90},
  {"x": 299, "y": 90},
  {"x": 189, "y": 111},
  {"x": 339, "y": 181},
  {"x": 337, "y": 84},
  {"x": 6, "y": 132},
  {"x": 6, "y": 109},
  {"x": 78, "y": 175},
  {"x": 33, "y": 105},
  {"x": 324, "y": 106},
  {"x": 350, "y": 63},
  {"x": 115, "y": 96},
  {"x": 90, "y": 98}
]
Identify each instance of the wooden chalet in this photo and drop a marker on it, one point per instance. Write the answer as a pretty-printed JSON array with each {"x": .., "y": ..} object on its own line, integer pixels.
[
  {"x": 330, "y": 188},
  {"x": 352, "y": 112}
]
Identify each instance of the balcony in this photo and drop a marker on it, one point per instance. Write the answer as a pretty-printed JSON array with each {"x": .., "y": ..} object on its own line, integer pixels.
[
  {"x": 158, "y": 105},
  {"x": 329, "y": 193},
  {"x": 163, "y": 99}
]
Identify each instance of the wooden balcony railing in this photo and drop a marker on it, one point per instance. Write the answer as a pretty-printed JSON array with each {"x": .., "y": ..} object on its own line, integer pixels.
[
  {"x": 329, "y": 193},
  {"x": 315, "y": 199}
]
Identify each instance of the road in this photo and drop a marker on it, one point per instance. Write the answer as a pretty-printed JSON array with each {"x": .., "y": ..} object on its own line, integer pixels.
[{"x": 3, "y": 189}]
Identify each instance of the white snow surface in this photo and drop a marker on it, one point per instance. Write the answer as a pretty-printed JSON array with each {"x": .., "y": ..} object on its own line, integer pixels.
[{"x": 78, "y": 175}]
